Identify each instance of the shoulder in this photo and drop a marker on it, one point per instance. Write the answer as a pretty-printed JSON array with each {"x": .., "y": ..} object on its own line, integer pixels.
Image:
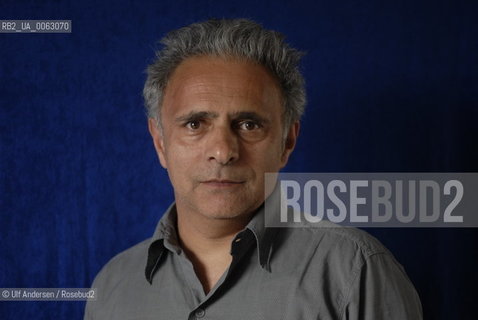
[
  {"x": 335, "y": 242},
  {"x": 329, "y": 253},
  {"x": 352, "y": 267},
  {"x": 130, "y": 262},
  {"x": 335, "y": 252},
  {"x": 349, "y": 239},
  {"x": 116, "y": 280}
]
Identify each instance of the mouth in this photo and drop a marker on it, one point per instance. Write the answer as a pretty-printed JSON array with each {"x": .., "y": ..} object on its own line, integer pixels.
[{"x": 222, "y": 183}]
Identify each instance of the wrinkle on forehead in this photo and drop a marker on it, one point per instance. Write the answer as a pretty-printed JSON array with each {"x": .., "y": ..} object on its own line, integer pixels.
[{"x": 210, "y": 79}]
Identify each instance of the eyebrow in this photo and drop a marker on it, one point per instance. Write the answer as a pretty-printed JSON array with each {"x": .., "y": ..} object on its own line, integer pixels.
[
  {"x": 196, "y": 115},
  {"x": 240, "y": 115}
]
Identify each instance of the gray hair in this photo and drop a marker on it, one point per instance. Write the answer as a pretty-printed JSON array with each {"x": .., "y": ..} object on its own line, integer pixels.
[{"x": 237, "y": 38}]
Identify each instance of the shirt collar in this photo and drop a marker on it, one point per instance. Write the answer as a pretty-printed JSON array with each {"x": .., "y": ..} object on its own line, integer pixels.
[{"x": 165, "y": 237}]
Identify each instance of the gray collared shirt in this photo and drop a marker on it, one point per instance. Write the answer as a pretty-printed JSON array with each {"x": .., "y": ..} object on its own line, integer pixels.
[{"x": 276, "y": 273}]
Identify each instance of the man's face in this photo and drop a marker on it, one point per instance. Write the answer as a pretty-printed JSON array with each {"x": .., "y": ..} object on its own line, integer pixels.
[{"x": 221, "y": 131}]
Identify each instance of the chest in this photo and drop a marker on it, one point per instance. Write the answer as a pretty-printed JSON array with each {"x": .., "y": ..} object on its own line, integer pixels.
[{"x": 250, "y": 292}]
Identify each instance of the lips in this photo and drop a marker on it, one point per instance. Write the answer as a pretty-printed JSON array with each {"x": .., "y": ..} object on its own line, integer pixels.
[{"x": 222, "y": 182}]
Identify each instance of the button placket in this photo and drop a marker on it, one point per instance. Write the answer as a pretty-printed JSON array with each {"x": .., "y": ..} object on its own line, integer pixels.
[{"x": 200, "y": 313}]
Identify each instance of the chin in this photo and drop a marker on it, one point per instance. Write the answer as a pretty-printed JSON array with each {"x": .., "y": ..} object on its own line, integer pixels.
[{"x": 229, "y": 210}]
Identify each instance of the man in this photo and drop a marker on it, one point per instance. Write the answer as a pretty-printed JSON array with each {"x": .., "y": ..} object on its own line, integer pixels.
[{"x": 224, "y": 99}]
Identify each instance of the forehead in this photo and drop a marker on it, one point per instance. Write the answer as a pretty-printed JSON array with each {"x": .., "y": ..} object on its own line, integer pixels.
[{"x": 208, "y": 81}]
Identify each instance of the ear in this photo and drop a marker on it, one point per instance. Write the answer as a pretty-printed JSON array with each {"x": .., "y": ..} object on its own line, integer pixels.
[
  {"x": 290, "y": 141},
  {"x": 158, "y": 141}
]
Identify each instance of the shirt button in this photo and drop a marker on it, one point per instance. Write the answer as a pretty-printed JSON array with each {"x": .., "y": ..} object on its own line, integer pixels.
[{"x": 200, "y": 313}]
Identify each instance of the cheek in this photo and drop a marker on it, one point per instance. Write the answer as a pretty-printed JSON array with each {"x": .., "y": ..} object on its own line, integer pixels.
[
  {"x": 181, "y": 160},
  {"x": 267, "y": 157}
]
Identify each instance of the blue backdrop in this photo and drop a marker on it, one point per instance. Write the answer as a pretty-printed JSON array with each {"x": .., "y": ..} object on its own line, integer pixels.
[{"x": 392, "y": 86}]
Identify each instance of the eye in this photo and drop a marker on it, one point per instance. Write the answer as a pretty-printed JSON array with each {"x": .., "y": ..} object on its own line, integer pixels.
[
  {"x": 248, "y": 125},
  {"x": 193, "y": 124}
]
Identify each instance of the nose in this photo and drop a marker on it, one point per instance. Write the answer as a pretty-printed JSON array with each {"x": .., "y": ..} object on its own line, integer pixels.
[{"x": 223, "y": 145}]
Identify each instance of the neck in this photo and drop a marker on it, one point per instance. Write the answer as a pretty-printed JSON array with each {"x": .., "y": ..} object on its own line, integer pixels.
[
  {"x": 207, "y": 243},
  {"x": 201, "y": 235}
]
